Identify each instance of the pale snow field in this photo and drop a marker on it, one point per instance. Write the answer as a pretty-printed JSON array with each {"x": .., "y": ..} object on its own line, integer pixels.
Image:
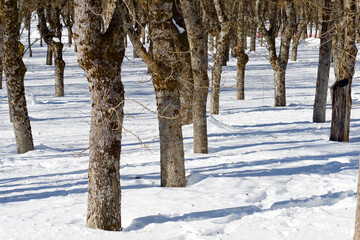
[{"x": 271, "y": 173}]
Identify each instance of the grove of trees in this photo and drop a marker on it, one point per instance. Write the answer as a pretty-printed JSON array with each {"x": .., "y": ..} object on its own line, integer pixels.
[{"x": 179, "y": 33}]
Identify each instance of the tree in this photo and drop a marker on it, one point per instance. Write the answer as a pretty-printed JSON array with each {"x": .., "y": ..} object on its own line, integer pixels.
[
  {"x": 278, "y": 12},
  {"x": 344, "y": 52},
  {"x": 1, "y": 52},
  {"x": 322, "y": 81},
  {"x": 15, "y": 71},
  {"x": 100, "y": 39},
  {"x": 221, "y": 42},
  {"x": 53, "y": 18},
  {"x": 197, "y": 36},
  {"x": 242, "y": 57}
]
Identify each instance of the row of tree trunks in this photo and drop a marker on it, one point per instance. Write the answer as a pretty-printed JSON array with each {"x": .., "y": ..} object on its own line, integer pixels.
[
  {"x": 197, "y": 36},
  {"x": 101, "y": 53},
  {"x": 322, "y": 81},
  {"x": 15, "y": 73},
  {"x": 56, "y": 47}
]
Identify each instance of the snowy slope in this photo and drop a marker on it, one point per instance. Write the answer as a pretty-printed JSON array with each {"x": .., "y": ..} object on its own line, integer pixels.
[{"x": 271, "y": 173}]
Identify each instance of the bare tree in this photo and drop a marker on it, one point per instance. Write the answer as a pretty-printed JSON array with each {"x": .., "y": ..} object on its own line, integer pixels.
[
  {"x": 1, "y": 53},
  {"x": 15, "y": 71},
  {"x": 100, "y": 38},
  {"x": 197, "y": 36},
  {"x": 283, "y": 13},
  {"x": 52, "y": 17},
  {"x": 322, "y": 81}
]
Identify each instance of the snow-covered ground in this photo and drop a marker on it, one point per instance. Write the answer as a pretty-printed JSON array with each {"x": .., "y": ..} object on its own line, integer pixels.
[{"x": 270, "y": 173}]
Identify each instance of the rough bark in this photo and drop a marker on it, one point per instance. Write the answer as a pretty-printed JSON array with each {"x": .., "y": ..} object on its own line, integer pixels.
[
  {"x": 101, "y": 53},
  {"x": 1, "y": 53},
  {"x": 49, "y": 56},
  {"x": 197, "y": 36},
  {"x": 15, "y": 72},
  {"x": 166, "y": 87},
  {"x": 345, "y": 67},
  {"x": 322, "y": 81},
  {"x": 164, "y": 65},
  {"x": 239, "y": 50},
  {"x": 55, "y": 46},
  {"x": 221, "y": 42}
]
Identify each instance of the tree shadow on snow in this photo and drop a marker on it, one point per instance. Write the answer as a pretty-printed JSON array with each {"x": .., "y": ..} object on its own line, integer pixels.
[{"x": 236, "y": 213}]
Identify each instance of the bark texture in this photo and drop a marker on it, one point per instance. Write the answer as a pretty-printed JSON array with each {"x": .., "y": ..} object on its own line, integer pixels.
[
  {"x": 344, "y": 59},
  {"x": 1, "y": 53},
  {"x": 221, "y": 42},
  {"x": 197, "y": 36},
  {"x": 242, "y": 57},
  {"x": 101, "y": 52},
  {"x": 15, "y": 72},
  {"x": 165, "y": 66},
  {"x": 322, "y": 81}
]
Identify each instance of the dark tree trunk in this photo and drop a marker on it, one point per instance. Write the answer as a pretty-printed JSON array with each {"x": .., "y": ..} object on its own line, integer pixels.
[
  {"x": 15, "y": 72},
  {"x": 1, "y": 54},
  {"x": 70, "y": 36},
  {"x": 28, "y": 28},
  {"x": 344, "y": 66},
  {"x": 252, "y": 38},
  {"x": 49, "y": 55},
  {"x": 101, "y": 54},
  {"x": 197, "y": 37},
  {"x": 322, "y": 81}
]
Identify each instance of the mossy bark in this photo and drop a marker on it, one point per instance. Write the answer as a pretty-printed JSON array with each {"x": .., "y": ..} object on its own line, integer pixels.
[
  {"x": 101, "y": 55},
  {"x": 15, "y": 73}
]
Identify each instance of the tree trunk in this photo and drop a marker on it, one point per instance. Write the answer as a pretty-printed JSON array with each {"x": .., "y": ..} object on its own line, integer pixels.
[
  {"x": 15, "y": 72},
  {"x": 57, "y": 48},
  {"x": 212, "y": 42},
  {"x": 242, "y": 57},
  {"x": 101, "y": 55},
  {"x": 49, "y": 55},
  {"x": 70, "y": 36},
  {"x": 221, "y": 42},
  {"x": 280, "y": 90},
  {"x": 54, "y": 47},
  {"x": 252, "y": 38},
  {"x": 322, "y": 81},
  {"x": 167, "y": 95},
  {"x": 1, "y": 54},
  {"x": 345, "y": 67},
  {"x": 28, "y": 27},
  {"x": 197, "y": 37}
]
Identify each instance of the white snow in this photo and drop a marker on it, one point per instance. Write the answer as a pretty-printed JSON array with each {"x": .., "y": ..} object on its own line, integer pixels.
[{"x": 270, "y": 173}]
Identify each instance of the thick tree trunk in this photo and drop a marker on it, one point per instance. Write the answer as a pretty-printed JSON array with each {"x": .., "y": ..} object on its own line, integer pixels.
[
  {"x": 101, "y": 55},
  {"x": 322, "y": 81},
  {"x": 15, "y": 72},
  {"x": 167, "y": 95},
  {"x": 197, "y": 37},
  {"x": 221, "y": 42},
  {"x": 345, "y": 67},
  {"x": 280, "y": 90},
  {"x": 1, "y": 54}
]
